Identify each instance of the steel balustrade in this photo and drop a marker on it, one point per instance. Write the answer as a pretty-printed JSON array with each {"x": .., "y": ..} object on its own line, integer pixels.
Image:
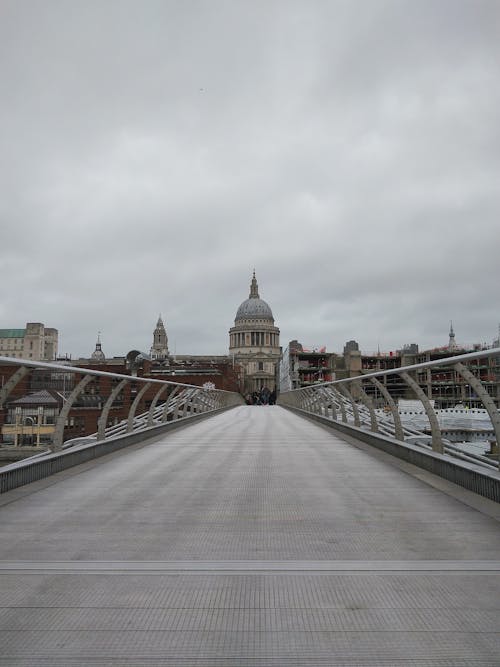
[
  {"x": 345, "y": 402},
  {"x": 182, "y": 400},
  {"x": 350, "y": 398}
]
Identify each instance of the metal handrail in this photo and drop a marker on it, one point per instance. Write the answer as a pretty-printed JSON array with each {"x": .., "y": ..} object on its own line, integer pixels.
[
  {"x": 348, "y": 398},
  {"x": 182, "y": 401}
]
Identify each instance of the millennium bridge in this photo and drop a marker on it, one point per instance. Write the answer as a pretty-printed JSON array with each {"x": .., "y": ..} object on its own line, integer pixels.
[{"x": 319, "y": 531}]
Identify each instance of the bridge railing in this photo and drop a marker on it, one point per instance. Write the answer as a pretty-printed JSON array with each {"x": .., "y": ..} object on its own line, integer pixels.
[
  {"x": 72, "y": 389},
  {"x": 368, "y": 400}
]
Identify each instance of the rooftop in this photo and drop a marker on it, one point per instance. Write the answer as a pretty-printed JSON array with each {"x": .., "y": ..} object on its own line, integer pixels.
[{"x": 12, "y": 333}]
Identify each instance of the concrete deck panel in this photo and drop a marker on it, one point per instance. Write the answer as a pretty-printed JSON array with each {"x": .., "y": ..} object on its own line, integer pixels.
[{"x": 252, "y": 538}]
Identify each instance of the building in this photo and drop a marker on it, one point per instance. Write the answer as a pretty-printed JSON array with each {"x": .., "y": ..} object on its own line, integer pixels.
[
  {"x": 301, "y": 367},
  {"x": 98, "y": 354},
  {"x": 254, "y": 343},
  {"x": 442, "y": 384},
  {"x": 36, "y": 342},
  {"x": 159, "y": 349},
  {"x": 447, "y": 387},
  {"x": 31, "y": 419},
  {"x": 217, "y": 370}
]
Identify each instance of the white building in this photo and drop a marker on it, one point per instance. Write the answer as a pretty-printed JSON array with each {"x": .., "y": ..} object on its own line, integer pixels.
[{"x": 36, "y": 342}]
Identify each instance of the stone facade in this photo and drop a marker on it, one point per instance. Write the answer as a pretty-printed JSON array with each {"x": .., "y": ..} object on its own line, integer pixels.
[
  {"x": 159, "y": 349},
  {"x": 254, "y": 343},
  {"x": 36, "y": 342},
  {"x": 98, "y": 354}
]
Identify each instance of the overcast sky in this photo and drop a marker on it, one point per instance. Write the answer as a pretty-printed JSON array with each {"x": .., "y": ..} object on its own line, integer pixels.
[{"x": 153, "y": 153}]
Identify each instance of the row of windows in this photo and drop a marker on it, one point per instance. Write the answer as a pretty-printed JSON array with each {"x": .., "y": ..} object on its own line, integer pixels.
[
  {"x": 14, "y": 342},
  {"x": 254, "y": 339},
  {"x": 13, "y": 355}
]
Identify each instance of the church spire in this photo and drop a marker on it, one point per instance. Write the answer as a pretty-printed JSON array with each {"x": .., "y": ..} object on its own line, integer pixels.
[
  {"x": 254, "y": 288},
  {"x": 452, "y": 344}
]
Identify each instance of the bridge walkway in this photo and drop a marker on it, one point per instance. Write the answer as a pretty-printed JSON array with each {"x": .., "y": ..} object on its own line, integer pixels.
[{"x": 252, "y": 538}]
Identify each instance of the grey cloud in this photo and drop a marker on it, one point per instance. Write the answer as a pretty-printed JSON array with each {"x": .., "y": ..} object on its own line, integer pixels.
[{"x": 153, "y": 154}]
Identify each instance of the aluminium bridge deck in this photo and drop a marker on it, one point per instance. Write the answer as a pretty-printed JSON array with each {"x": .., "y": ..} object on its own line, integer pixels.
[{"x": 253, "y": 538}]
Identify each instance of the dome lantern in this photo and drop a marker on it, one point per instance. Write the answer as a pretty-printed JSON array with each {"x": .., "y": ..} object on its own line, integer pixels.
[{"x": 254, "y": 308}]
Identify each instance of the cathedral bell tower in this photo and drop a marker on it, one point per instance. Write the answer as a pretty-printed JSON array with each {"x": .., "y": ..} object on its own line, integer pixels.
[{"x": 159, "y": 349}]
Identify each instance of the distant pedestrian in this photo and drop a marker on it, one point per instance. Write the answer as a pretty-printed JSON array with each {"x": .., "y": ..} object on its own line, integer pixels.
[{"x": 264, "y": 395}]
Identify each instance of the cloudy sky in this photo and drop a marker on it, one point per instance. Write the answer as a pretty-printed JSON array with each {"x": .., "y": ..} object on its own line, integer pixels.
[{"x": 153, "y": 153}]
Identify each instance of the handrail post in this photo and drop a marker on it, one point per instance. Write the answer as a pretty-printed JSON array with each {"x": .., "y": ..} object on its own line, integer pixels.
[
  {"x": 12, "y": 382},
  {"x": 437, "y": 442},
  {"x": 101, "y": 422},
  {"x": 398, "y": 427},
  {"x": 168, "y": 403},
  {"x": 341, "y": 399},
  {"x": 57, "y": 441},
  {"x": 154, "y": 402},
  {"x": 486, "y": 399},
  {"x": 315, "y": 400},
  {"x": 188, "y": 401},
  {"x": 355, "y": 411},
  {"x": 305, "y": 398},
  {"x": 369, "y": 404},
  {"x": 133, "y": 407},
  {"x": 181, "y": 403},
  {"x": 329, "y": 401}
]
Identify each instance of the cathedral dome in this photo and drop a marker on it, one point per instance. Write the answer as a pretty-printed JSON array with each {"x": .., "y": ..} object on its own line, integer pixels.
[{"x": 254, "y": 307}]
